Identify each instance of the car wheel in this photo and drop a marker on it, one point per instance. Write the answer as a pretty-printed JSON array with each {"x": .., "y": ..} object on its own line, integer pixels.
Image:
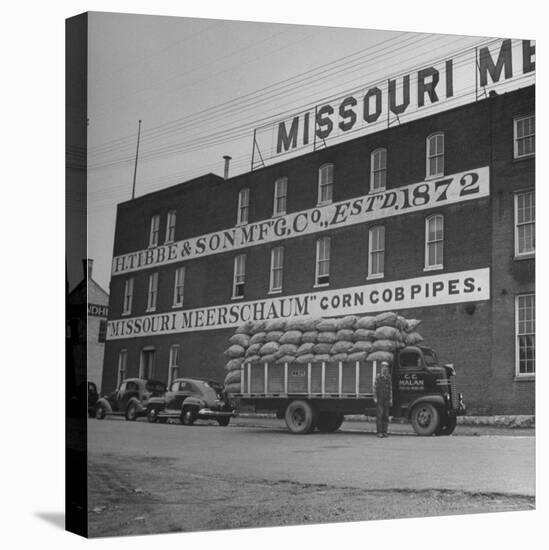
[
  {"x": 425, "y": 419},
  {"x": 329, "y": 422},
  {"x": 300, "y": 417},
  {"x": 131, "y": 412},
  {"x": 188, "y": 416},
  {"x": 224, "y": 421},
  {"x": 100, "y": 412},
  {"x": 448, "y": 427},
  {"x": 152, "y": 415},
  {"x": 162, "y": 420}
]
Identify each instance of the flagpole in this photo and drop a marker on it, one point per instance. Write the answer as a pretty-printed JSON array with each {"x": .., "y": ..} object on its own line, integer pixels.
[{"x": 136, "y": 157}]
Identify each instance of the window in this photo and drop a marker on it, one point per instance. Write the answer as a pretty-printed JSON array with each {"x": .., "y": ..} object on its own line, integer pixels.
[
  {"x": 243, "y": 206},
  {"x": 277, "y": 266},
  {"x": 155, "y": 230},
  {"x": 325, "y": 183},
  {"x": 173, "y": 367},
  {"x": 128, "y": 297},
  {"x": 525, "y": 306},
  {"x": 179, "y": 286},
  {"x": 153, "y": 291},
  {"x": 524, "y": 136},
  {"x": 435, "y": 155},
  {"x": 525, "y": 223},
  {"x": 280, "y": 192},
  {"x": 322, "y": 261},
  {"x": 378, "y": 170},
  {"x": 102, "y": 336},
  {"x": 170, "y": 226},
  {"x": 122, "y": 360},
  {"x": 434, "y": 242},
  {"x": 239, "y": 276},
  {"x": 146, "y": 367},
  {"x": 376, "y": 252}
]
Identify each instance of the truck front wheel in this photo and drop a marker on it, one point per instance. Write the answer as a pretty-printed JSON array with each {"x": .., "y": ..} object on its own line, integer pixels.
[
  {"x": 425, "y": 419},
  {"x": 300, "y": 417},
  {"x": 329, "y": 422},
  {"x": 448, "y": 427}
]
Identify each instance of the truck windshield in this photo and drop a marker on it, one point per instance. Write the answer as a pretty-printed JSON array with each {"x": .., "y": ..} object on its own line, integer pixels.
[{"x": 430, "y": 357}]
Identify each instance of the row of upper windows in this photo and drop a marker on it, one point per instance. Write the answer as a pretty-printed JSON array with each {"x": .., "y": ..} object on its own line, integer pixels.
[
  {"x": 524, "y": 136},
  {"x": 434, "y": 256}
]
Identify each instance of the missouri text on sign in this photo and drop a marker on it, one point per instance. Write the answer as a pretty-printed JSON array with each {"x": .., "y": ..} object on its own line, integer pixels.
[
  {"x": 447, "y": 288},
  {"x": 455, "y": 188}
]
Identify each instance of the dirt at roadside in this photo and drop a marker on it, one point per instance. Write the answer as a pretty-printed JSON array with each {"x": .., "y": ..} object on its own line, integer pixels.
[{"x": 142, "y": 496}]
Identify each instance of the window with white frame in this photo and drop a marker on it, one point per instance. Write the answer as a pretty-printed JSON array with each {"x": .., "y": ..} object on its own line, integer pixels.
[
  {"x": 277, "y": 267},
  {"x": 325, "y": 183},
  {"x": 378, "y": 170},
  {"x": 322, "y": 261},
  {"x": 434, "y": 242},
  {"x": 242, "y": 214},
  {"x": 152, "y": 293},
  {"x": 525, "y": 223},
  {"x": 155, "y": 230},
  {"x": 239, "y": 276},
  {"x": 170, "y": 226},
  {"x": 525, "y": 305},
  {"x": 173, "y": 367},
  {"x": 128, "y": 296},
  {"x": 524, "y": 129},
  {"x": 376, "y": 252},
  {"x": 435, "y": 155},
  {"x": 122, "y": 361},
  {"x": 179, "y": 286},
  {"x": 280, "y": 193}
]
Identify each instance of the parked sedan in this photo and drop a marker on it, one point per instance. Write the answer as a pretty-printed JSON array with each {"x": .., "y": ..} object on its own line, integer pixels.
[
  {"x": 131, "y": 399},
  {"x": 190, "y": 399}
]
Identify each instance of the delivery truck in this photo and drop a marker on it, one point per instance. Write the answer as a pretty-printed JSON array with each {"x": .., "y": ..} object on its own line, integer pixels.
[{"x": 320, "y": 394}]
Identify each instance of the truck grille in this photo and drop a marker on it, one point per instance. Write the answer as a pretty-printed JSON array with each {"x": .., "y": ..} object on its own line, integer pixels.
[{"x": 454, "y": 393}]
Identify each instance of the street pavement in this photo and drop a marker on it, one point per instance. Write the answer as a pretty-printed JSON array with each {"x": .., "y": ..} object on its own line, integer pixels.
[{"x": 494, "y": 461}]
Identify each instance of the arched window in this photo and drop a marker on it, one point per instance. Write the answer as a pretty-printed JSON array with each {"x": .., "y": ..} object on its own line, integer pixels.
[
  {"x": 378, "y": 170},
  {"x": 325, "y": 183},
  {"x": 376, "y": 252},
  {"x": 434, "y": 242},
  {"x": 243, "y": 206},
  {"x": 280, "y": 193},
  {"x": 435, "y": 155}
]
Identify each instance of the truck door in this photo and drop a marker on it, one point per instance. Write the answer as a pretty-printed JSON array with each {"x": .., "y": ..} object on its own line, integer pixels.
[{"x": 411, "y": 379}]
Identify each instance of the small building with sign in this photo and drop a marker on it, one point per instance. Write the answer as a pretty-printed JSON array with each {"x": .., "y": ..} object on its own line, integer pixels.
[
  {"x": 88, "y": 312},
  {"x": 433, "y": 218}
]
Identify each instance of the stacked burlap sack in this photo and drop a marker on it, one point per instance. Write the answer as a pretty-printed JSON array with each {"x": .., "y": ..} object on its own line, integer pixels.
[{"x": 316, "y": 340}]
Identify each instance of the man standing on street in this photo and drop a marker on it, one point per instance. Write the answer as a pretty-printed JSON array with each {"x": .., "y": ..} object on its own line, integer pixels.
[{"x": 383, "y": 398}]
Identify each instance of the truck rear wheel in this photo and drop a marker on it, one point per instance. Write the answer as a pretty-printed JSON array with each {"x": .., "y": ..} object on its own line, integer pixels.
[
  {"x": 425, "y": 419},
  {"x": 300, "y": 417},
  {"x": 329, "y": 422}
]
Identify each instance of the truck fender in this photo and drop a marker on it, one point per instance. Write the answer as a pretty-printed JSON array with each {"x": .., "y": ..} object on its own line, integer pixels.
[
  {"x": 104, "y": 403},
  {"x": 436, "y": 400}
]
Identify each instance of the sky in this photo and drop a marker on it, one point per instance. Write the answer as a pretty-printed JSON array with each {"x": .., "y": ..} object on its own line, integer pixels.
[{"x": 200, "y": 86}]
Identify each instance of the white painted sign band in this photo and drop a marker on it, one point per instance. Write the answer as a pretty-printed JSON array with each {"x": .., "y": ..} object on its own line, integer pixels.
[
  {"x": 445, "y": 190},
  {"x": 433, "y": 290}
]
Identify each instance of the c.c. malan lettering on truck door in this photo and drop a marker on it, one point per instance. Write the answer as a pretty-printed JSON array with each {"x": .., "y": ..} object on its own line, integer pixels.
[
  {"x": 456, "y": 188},
  {"x": 434, "y": 290}
]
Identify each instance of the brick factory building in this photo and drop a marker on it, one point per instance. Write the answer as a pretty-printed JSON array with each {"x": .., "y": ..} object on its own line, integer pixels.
[{"x": 433, "y": 218}]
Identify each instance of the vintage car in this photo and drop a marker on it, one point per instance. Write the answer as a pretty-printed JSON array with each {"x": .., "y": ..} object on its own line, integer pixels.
[
  {"x": 93, "y": 396},
  {"x": 191, "y": 399},
  {"x": 131, "y": 399}
]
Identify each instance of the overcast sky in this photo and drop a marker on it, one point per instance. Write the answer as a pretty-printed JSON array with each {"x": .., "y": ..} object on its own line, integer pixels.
[{"x": 201, "y": 85}]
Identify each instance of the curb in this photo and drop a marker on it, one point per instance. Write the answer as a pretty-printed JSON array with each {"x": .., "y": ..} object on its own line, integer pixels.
[{"x": 498, "y": 421}]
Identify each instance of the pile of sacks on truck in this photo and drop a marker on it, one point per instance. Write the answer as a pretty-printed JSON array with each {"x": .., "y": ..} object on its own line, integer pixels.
[{"x": 315, "y": 340}]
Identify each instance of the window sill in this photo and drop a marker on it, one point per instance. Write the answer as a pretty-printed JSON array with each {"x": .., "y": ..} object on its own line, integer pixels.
[
  {"x": 237, "y": 297},
  {"x": 169, "y": 242},
  {"x": 153, "y": 245},
  {"x": 433, "y": 268},
  {"x": 529, "y": 256},
  {"x": 434, "y": 177},
  {"x": 324, "y": 203},
  {"x": 275, "y": 291},
  {"x": 241, "y": 224},
  {"x": 524, "y": 378},
  {"x": 321, "y": 285},
  {"x": 150, "y": 310},
  {"x": 377, "y": 191},
  {"x": 177, "y": 306},
  {"x": 126, "y": 313},
  {"x": 278, "y": 214},
  {"x": 375, "y": 277},
  {"x": 524, "y": 157}
]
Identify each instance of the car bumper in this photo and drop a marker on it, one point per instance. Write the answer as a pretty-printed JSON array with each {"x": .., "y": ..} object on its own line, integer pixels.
[{"x": 209, "y": 413}]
